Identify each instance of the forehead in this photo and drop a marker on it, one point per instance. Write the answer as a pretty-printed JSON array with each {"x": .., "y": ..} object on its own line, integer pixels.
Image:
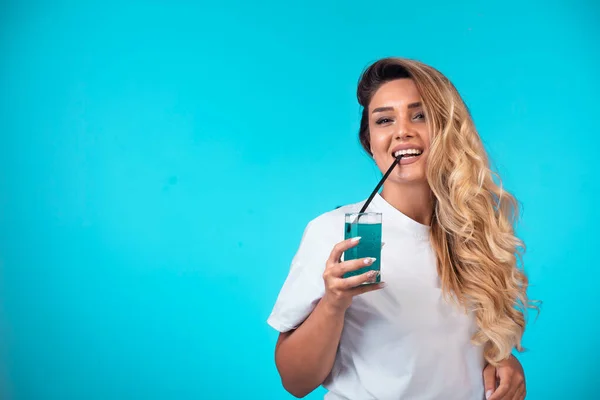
[{"x": 396, "y": 93}]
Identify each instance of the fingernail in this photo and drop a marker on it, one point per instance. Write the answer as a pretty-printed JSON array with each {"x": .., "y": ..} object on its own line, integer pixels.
[
  {"x": 487, "y": 394},
  {"x": 372, "y": 276},
  {"x": 356, "y": 239},
  {"x": 370, "y": 260},
  {"x": 382, "y": 244}
]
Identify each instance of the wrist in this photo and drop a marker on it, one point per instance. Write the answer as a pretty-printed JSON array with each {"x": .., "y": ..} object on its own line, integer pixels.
[{"x": 331, "y": 308}]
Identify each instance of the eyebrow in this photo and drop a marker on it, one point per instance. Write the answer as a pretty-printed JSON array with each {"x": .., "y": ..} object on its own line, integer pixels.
[{"x": 384, "y": 109}]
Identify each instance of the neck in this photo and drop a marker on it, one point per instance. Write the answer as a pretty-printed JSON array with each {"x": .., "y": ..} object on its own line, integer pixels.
[{"x": 414, "y": 201}]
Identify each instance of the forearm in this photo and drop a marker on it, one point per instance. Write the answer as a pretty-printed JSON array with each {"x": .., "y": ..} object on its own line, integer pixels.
[{"x": 306, "y": 356}]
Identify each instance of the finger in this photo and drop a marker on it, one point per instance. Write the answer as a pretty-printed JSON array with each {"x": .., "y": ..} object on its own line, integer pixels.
[
  {"x": 512, "y": 391},
  {"x": 353, "y": 265},
  {"x": 489, "y": 380},
  {"x": 520, "y": 394},
  {"x": 513, "y": 385},
  {"x": 366, "y": 288},
  {"x": 354, "y": 281},
  {"x": 336, "y": 254},
  {"x": 501, "y": 392}
]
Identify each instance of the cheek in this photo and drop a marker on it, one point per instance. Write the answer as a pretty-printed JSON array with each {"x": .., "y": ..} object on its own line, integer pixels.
[
  {"x": 378, "y": 143},
  {"x": 426, "y": 137},
  {"x": 379, "y": 151}
]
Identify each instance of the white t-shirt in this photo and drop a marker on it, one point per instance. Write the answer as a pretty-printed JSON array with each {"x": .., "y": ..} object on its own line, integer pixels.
[{"x": 401, "y": 342}]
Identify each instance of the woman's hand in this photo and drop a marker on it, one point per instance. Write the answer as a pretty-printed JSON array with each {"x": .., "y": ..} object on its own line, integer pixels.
[
  {"x": 506, "y": 382},
  {"x": 339, "y": 290}
]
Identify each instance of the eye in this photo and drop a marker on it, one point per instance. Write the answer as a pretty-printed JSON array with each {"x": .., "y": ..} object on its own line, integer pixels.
[
  {"x": 383, "y": 120},
  {"x": 420, "y": 115}
]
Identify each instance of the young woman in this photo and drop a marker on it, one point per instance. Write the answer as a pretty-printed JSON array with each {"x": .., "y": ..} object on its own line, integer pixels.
[{"x": 451, "y": 310}]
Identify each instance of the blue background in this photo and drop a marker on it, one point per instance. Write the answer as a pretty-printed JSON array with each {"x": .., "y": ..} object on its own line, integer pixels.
[{"x": 160, "y": 160}]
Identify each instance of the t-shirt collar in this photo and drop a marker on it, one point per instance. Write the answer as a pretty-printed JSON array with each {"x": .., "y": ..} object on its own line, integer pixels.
[{"x": 391, "y": 214}]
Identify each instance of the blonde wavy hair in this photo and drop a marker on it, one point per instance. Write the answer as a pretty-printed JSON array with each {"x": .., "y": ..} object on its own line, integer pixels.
[{"x": 472, "y": 228}]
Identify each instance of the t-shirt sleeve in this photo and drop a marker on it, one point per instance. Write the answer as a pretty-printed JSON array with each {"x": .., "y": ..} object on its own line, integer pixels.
[{"x": 303, "y": 287}]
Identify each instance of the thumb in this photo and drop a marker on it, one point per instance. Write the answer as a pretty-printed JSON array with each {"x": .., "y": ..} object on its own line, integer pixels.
[{"x": 489, "y": 380}]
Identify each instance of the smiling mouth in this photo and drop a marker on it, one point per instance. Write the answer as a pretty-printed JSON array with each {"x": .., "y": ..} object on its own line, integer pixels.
[{"x": 408, "y": 153}]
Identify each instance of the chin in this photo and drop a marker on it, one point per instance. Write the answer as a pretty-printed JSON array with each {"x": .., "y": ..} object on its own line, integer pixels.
[{"x": 407, "y": 178}]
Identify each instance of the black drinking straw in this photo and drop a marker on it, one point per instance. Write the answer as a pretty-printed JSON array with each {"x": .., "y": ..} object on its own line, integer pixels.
[{"x": 389, "y": 171}]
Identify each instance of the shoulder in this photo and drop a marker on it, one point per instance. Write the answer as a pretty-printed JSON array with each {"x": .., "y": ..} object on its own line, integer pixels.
[{"x": 327, "y": 229}]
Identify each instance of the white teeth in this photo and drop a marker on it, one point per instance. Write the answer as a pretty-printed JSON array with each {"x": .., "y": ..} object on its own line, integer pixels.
[{"x": 415, "y": 152}]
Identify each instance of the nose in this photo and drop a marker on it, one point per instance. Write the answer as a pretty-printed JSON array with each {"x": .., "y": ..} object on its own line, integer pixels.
[
  {"x": 403, "y": 133},
  {"x": 404, "y": 130}
]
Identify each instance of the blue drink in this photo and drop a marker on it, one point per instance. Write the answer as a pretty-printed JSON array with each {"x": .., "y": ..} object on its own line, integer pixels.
[{"x": 368, "y": 227}]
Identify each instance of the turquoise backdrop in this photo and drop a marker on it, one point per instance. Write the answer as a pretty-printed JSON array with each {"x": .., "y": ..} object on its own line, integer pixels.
[{"x": 159, "y": 161}]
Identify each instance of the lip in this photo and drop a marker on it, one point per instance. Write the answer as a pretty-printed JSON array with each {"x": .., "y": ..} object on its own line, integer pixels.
[
  {"x": 406, "y": 161},
  {"x": 406, "y": 147}
]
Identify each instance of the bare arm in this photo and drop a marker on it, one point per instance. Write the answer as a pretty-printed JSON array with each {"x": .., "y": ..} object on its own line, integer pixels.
[{"x": 305, "y": 356}]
